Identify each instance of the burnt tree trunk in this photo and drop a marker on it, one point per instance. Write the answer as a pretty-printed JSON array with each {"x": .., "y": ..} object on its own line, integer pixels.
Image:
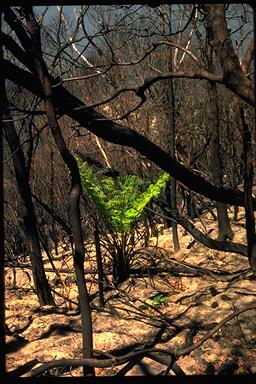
[
  {"x": 171, "y": 190},
  {"x": 52, "y": 230},
  {"x": 41, "y": 285},
  {"x": 99, "y": 265},
  {"x": 120, "y": 268},
  {"x": 224, "y": 227},
  {"x": 151, "y": 222},
  {"x": 249, "y": 158},
  {"x": 248, "y": 183},
  {"x": 75, "y": 191},
  {"x": 2, "y": 258}
]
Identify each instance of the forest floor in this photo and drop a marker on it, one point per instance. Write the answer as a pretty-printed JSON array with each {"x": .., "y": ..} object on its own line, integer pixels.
[{"x": 188, "y": 308}]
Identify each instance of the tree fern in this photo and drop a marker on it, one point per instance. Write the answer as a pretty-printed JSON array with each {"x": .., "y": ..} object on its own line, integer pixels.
[{"x": 120, "y": 200}]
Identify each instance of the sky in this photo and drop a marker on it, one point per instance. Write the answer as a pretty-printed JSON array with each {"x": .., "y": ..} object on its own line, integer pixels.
[{"x": 69, "y": 11}]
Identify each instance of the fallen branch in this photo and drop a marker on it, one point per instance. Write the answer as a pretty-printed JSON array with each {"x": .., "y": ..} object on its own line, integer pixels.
[
  {"x": 225, "y": 246},
  {"x": 166, "y": 357}
]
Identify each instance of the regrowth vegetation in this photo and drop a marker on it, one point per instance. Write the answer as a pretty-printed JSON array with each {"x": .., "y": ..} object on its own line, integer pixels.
[{"x": 120, "y": 200}]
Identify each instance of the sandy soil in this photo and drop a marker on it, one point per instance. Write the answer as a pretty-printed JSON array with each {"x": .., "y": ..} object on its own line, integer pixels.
[{"x": 191, "y": 306}]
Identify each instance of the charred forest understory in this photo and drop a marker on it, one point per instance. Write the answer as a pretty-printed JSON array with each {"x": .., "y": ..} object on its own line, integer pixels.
[{"x": 129, "y": 190}]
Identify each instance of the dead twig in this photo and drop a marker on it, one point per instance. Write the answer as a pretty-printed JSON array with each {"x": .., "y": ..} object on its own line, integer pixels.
[{"x": 166, "y": 357}]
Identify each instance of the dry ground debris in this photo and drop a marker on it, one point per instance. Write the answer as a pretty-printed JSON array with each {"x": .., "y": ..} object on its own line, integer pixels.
[{"x": 186, "y": 308}]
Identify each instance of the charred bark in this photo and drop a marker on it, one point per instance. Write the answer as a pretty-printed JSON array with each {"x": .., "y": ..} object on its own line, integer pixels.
[
  {"x": 99, "y": 266},
  {"x": 224, "y": 227},
  {"x": 75, "y": 191},
  {"x": 248, "y": 182},
  {"x": 120, "y": 267},
  {"x": 2, "y": 259},
  {"x": 233, "y": 76},
  {"x": 249, "y": 158},
  {"x": 171, "y": 189},
  {"x": 41, "y": 285}
]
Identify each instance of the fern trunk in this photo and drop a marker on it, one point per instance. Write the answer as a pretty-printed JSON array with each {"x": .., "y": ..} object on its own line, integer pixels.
[{"x": 120, "y": 268}]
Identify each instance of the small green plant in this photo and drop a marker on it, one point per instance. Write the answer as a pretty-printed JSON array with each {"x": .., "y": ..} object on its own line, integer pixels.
[
  {"x": 155, "y": 301},
  {"x": 121, "y": 202}
]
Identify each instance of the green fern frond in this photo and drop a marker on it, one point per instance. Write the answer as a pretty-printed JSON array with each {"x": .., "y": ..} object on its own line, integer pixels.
[{"x": 121, "y": 200}]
